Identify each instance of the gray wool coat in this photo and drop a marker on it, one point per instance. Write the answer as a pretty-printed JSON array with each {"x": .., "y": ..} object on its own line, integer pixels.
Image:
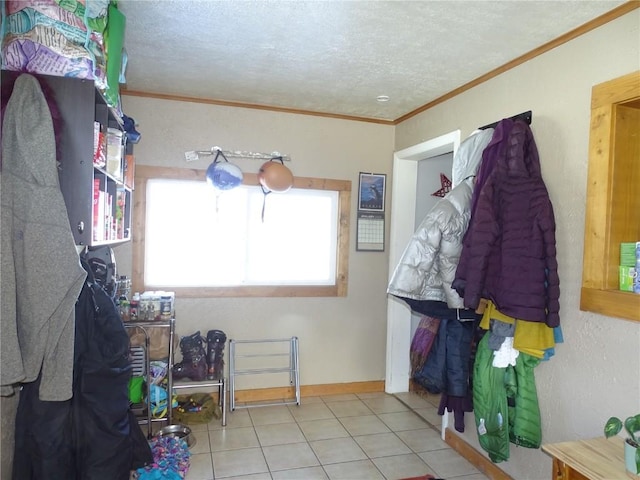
[{"x": 41, "y": 275}]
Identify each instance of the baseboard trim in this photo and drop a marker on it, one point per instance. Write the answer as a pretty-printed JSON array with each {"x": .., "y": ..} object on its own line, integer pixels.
[
  {"x": 286, "y": 393},
  {"x": 478, "y": 460}
]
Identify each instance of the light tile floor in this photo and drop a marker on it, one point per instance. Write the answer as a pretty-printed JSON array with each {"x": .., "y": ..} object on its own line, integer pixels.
[{"x": 338, "y": 437}]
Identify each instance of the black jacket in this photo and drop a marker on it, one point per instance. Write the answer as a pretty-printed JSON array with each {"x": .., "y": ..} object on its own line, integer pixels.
[
  {"x": 92, "y": 436},
  {"x": 446, "y": 369}
]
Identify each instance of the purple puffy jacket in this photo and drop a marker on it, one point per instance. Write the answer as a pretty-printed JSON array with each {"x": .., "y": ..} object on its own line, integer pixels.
[{"x": 509, "y": 251}]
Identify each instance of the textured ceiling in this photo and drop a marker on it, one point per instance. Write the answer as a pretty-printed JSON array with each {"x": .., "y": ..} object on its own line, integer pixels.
[{"x": 335, "y": 56}]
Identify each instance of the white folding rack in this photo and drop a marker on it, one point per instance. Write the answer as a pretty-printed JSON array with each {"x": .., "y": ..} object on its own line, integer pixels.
[{"x": 263, "y": 356}]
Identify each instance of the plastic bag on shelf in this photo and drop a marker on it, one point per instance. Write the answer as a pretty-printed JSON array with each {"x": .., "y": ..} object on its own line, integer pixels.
[
  {"x": 158, "y": 401},
  {"x": 158, "y": 372}
]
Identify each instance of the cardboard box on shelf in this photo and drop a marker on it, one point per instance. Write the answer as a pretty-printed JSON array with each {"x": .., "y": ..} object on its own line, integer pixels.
[
  {"x": 114, "y": 153},
  {"x": 129, "y": 170}
]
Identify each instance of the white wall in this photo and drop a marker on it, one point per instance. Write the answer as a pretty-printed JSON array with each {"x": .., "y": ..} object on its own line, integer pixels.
[
  {"x": 428, "y": 182},
  {"x": 596, "y": 371},
  {"x": 341, "y": 339}
]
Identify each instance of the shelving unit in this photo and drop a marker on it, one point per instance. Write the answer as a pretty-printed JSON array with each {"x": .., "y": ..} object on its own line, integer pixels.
[
  {"x": 144, "y": 326},
  {"x": 80, "y": 105},
  {"x": 254, "y": 358},
  {"x": 172, "y": 385}
]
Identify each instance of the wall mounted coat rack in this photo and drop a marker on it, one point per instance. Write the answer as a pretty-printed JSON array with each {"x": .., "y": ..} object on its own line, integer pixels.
[
  {"x": 524, "y": 116},
  {"x": 194, "y": 155}
]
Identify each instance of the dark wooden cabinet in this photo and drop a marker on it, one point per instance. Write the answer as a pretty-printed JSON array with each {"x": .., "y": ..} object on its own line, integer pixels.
[{"x": 98, "y": 203}]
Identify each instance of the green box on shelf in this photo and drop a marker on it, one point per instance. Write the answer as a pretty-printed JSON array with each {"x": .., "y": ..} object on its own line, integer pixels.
[
  {"x": 628, "y": 254},
  {"x": 627, "y": 276}
]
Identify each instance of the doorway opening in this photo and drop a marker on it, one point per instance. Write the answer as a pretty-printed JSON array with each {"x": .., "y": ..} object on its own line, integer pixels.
[{"x": 404, "y": 192}]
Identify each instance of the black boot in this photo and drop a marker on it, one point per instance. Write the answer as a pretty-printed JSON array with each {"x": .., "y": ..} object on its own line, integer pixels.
[
  {"x": 215, "y": 354},
  {"x": 194, "y": 361}
]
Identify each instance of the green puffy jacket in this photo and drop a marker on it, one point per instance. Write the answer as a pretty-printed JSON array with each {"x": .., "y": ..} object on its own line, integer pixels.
[{"x": 505, "y": 403}]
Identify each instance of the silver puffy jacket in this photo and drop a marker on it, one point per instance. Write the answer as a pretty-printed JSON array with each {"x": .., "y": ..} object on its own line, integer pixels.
[{"x": 428, "y": 265}]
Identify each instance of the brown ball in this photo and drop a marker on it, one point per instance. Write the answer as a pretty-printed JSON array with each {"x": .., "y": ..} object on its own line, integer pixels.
[{"x": 275, "y": 177}]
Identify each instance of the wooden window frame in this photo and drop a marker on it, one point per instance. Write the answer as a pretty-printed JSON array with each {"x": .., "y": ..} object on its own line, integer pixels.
[
  {"x": 339, "y": 289},
  {"x": 613, "y": 205}
]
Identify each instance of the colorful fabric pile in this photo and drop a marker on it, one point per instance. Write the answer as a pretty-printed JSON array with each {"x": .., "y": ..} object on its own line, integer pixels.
[
  {"x": 55, "y": 39},
  {"x": 70, "y": 38},
  {"x": 170, "y": 460}
]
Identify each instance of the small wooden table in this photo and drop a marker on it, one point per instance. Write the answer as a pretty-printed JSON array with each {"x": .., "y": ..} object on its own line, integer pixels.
[{"x": 592, "y": 459}]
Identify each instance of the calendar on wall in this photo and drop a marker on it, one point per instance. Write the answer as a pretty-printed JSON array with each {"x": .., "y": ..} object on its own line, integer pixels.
[
  {"x": 370, "y": 235},
  {"x": 370, "y": 227}
]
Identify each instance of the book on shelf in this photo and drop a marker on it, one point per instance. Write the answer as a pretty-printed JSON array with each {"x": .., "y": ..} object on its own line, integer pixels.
[
  {"x": 121, "y": 205},
  {"x": 95, "y": 221},
  {"x": 108, "y": 218},
  {"x": 99, "y": 221},
  {"x": 99, "y": 146}
]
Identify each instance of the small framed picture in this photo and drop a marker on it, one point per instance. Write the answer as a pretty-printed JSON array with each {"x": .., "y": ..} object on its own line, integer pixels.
[{"x": 371, "y": 192}]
